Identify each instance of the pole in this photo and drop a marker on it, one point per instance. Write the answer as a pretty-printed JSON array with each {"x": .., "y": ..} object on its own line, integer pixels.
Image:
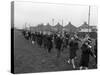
[
  {"x": 88, "y": 19},
  {"x": 53, "y": 21},
  {"x": 62, "y": 22},
  {"x": 25, "y": 26},
  {"x": 62, "y": 25}
]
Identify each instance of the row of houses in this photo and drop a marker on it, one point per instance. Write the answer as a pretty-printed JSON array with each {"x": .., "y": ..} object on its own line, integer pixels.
[{"x": 69, "y": 28}]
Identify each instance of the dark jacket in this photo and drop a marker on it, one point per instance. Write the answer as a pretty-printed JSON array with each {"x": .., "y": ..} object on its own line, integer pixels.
[{"x": 86, "y": 51}]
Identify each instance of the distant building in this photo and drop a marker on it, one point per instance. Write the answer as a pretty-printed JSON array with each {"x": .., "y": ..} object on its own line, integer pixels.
[
  {"x": 47, "y": 27},
  {"x": 86, "y": 28},
  {"x": 70, "y": 28},
  {"x": 58, "y": 27},
  {"x": 94, "y": 28}
]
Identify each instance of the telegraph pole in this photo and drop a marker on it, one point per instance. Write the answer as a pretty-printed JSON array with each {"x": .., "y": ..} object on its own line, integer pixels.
[
  {"x": 25, "y": 26},
  {"x": 88, "y": 19},
  {"x": 62, "y": 25},
  {"x": 29, "y": 28},
  {"x": 53, "y": 21},
  {"x": 62, "y": 22}
]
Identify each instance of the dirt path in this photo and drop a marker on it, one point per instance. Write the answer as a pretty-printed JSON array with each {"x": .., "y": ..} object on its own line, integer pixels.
[{"x": 31, "y": 58}]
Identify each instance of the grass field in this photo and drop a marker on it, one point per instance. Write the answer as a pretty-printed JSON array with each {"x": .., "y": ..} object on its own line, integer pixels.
[{"x": 31, "y": 58}]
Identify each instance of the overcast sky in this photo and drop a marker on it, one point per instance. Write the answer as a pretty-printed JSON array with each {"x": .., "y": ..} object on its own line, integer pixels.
[{"x": 36, "y": 13}]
